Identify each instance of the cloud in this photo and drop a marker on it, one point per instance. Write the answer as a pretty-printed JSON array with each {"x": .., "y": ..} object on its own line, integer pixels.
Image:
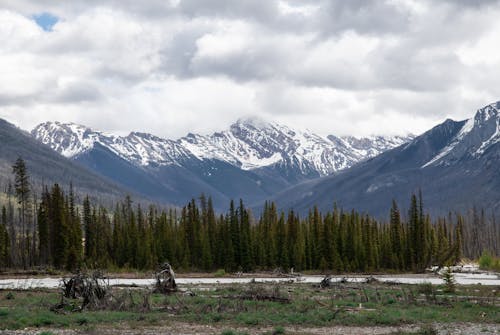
[
  {"x": 364, "y": 16},
  {"x": 170, "y": 67}
]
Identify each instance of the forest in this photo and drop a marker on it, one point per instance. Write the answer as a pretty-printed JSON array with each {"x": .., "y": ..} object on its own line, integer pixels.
[{"x": 52, "y": 230}]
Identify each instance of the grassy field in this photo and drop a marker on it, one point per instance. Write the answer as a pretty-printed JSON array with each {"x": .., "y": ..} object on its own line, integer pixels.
[{"x": 269, "y": 306}]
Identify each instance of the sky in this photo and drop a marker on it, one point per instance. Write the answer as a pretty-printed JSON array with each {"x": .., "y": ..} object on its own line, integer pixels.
[{"x": 354, "y": 67}]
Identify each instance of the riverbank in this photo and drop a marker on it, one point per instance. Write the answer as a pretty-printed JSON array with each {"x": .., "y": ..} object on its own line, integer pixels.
[{"x": 287, "y": 307}]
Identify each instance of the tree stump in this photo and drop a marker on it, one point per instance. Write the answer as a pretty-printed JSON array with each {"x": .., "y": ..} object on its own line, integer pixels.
[{"x": 165, "y": 280}]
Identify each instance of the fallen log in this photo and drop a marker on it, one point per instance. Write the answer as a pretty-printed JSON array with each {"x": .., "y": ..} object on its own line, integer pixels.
[{"x": 259, "y": 297}]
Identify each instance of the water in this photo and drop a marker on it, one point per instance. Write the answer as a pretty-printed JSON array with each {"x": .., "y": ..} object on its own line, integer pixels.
[{"x": 461, "y": 279}]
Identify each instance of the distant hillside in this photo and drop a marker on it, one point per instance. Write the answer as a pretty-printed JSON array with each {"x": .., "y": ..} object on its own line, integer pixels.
[
  {"x": 47, "y": 166},
  {"x": 455, "y": 164}
]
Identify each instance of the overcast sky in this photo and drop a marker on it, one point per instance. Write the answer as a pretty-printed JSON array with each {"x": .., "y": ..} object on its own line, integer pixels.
[{"x": 339, "y": 67}]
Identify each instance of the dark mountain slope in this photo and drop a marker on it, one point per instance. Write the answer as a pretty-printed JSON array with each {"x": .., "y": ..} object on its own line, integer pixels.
[
  {"x": 178, "y": 184},
  {"x": 455, "y": 164},
  {"x": 46, "y": 165}
]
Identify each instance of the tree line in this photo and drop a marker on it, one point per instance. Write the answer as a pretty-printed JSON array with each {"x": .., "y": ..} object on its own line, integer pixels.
[{"x": 54, "y": 232}]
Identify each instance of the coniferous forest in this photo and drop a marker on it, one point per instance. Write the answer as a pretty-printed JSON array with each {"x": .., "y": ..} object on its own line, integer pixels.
[{"x": 50, "y": 230}]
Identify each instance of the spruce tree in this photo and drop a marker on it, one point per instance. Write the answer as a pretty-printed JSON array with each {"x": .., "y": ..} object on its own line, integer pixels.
[
  {"x": 4, "y": 240},
  {"x": 396, "y": 237},
  {"x": 23, "y": 194},
  {"x": 59, "y": 227},
  {"x": 43, "y": 229}
]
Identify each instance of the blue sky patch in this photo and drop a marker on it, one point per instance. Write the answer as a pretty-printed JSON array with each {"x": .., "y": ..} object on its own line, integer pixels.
[{"x": 45, "y": 20}]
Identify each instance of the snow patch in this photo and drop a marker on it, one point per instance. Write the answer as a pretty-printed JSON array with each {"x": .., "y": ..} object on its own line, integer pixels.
[
  {"x": 467, "y": 128},
  {"x": 248, "y": 144},
  {"x": 495, "y": 138}
]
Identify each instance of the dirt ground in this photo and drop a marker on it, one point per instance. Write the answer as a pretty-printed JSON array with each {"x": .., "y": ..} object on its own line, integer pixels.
[{"x": 190, "y": 329}]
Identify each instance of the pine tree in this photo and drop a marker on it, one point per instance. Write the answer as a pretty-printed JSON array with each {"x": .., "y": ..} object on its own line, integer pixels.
[
  {"x": 74, "y": 252},
  {"x": 59, "y": 229},
  {"x": 396, "y": 238},
  {"x": 457, "y": 255},
  {"x": 90, "y": 233},
  {"x": 281, "y": 248},
  {"x": 234, "y": 229},
  {"x": 23, "y": 194},
  {"x": 43, "y": 229},
  {"x": 245, "y": 243},
  {"x": 4, "y": 240},
  {"x": 414, "y": 237},
  {"x": 328, "y": 241}
]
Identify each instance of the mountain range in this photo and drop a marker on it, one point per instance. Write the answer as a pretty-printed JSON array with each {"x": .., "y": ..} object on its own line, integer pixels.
[
  {"x": 456, "y": 165},
  {"x": 252, "y": 160}
]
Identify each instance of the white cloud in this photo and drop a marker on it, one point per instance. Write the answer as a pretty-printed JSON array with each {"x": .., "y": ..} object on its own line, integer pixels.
[{"x": 170, "y": 67}]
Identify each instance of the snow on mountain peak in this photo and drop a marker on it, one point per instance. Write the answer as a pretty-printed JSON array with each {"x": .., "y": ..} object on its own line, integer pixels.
[
  {"x": 487, "y": 112},
  {"x": 253, "y": 121},
  {"x": 249, "y": 143},
  {"x": 68, "y": 139},
  {"x": 474, "y": 138}
]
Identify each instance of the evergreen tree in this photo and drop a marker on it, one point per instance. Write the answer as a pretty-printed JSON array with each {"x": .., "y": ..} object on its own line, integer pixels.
[
  {"x": 90, "y": 233},
  {"x": 245, "y": 243},
  {"x": 397, "y": 260},
  {"x": 43, "y": 229},
  {"x": 74, "y": 252},
  {"x": 4, "y": 240},
  {"x": 59, "y": 228},
  {"x": 23, "y": 194}
]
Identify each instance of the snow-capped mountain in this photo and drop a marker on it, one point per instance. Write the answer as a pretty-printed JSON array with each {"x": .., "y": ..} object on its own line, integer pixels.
[
  {"x": 455, "y": 164},
  {"x": 46, "y": 166},
  {"x": 248, "y": 144},
  {"x": 476, "y": 136},
  {"x": 252, "y": 159},
  {"x": 71, "y": 140}
]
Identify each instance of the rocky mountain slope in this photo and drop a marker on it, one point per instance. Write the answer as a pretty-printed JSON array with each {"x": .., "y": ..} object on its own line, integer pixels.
[
  {"x": 251, "y": 160},
  {"x": 455, "y": 164},
  {"x": 46, "y": 166},
  {"x": 249, "y": 144}
]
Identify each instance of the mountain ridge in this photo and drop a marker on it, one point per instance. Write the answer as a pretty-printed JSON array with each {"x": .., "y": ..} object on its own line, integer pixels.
[
  {"x": 252, "y": 159},
  {"x": 46, "y": 166},
  {"x": 247, "y": 144},
  {"x": 455, "y": 164}
]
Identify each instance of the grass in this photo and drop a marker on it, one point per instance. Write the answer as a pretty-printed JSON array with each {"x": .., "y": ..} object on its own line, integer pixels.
[{"x": 351, "y": 304}]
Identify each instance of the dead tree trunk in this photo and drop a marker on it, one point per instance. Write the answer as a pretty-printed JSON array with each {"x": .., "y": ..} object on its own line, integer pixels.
[{"x": 165, "y": 280}]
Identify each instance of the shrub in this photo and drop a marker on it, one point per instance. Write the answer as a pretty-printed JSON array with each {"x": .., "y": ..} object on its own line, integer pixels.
[
  {"x": 279, "y": 331},
  {"x": 220, "y": 273},
  {"x": 486, "y": 260}
]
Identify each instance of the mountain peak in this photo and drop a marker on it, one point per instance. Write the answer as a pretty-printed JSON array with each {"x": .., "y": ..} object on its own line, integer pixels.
[
  {"x": 250, "y": 143},
  {"x": 471, "y": 139},
  {"x": 254, "y": 121},
  {"x": 488, "y": 112},
  {"x": 69, "y": 139}
]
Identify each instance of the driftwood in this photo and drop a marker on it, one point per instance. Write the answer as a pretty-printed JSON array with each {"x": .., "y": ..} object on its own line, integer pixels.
[
  {"x": 92, "y": 288},
  {"x": 165, "y": 280},
  {"x": 89, "y": 290},
  {"x": 326, "y": 282},
  {"x": 92, "y": 292},
  {"x": 259, "y": 297},
  {"x": 257, "y": 292}
]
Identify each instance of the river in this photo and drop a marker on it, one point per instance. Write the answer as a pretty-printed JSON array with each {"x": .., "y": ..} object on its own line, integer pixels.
[{"x": 488, "y": 279}]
